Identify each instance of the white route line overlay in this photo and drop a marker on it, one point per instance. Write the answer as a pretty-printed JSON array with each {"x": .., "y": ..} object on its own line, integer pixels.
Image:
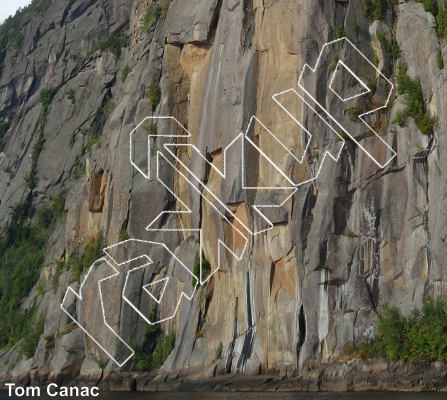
[
  {"x": 361, "y": 115},
  {"x": 79, "y": 296},
  {"x": 151, "y": 283},
  {"x": 242, "y": 136}
]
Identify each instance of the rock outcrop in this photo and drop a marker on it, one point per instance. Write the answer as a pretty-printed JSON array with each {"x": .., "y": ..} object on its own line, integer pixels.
[{"x": 303, "y": 290}]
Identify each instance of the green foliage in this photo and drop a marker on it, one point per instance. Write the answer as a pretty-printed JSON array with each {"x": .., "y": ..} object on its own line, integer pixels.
[
  {"x": 31, "y": 340},
  {"x": 419, "y": 338},
  {"x": 123, "y": 235},
  {"x": 151, "y": 328},
  {"x": 376, "y": 60},
  {"x": 91, "y": 143},
  {"x": 340, "y": 32},
  {"x": 148, "y": 362},
  {"x": 57, "y": 204},
  {"x": 76, "y": 58},
  {"x": 50, "y": 343},
  {"x": 430, "y": 7},
  {"x": 60, "y": 266},
  {"x": 206, "y": 268},
  {"x": 219, "y": 351},
  {"x": 125, "y": 73},
  {"x": 41, "y": 287},
  {"x": 375, "y": 9},
  {"x": 93, "y": 251},
  {"x": 10, "y": 29},
  {"x": 151, "y": 129},
  {"x": 51, "y": 212},
  {"x": 196, "y": 269},
  {"x": 381, "y": 37},
  {"x": 334, "y": 62},
  {"x": 46, "y": 96},
  {"x": 164, "y": 348},
  {"x": 107, "y": 108},
  {"x": 315, "y": 154},
  {"x": 113, "y": 43},
  {"x": 16, "y": 40},
  {"x": 44, "y": 216},
  {"x": 353, "y": 113},
  {"x": 165, "y": 7},
  {"x": 153, "y": 12},
  {"x": 413, "y": 100},
  {"x": 79, "y": 171},
  {"x": 143, "y": 360},
  {"x": 70, "y": 95},
  {"x": 440, "y": 60},
  {"x": 441, "y": 18},
  {"x": 394, "y": 49},
  {"x": 356, "y": 25},
  {"x": 39, "y": 6},
  {"x": 372, "y": 85},
  {"x": 31, "y": 176},
  {"x": 30, "y": 179},
  {"x": 22, "y": 252},
  {"x": 4, "y": 127},
  {"x": 154, "y": 94}
]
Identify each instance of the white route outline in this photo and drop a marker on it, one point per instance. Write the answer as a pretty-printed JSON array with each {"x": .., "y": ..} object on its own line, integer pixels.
[
  {"x": 183, "y": 294},
  {"x": 361, "y": 115},
  {"x": 79, "y": 296},
  {"x": 242, "y": 136}
]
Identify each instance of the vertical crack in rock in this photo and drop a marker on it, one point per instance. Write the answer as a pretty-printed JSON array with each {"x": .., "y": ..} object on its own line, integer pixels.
[
  {"x": 249, "y": 336},
  {"x": 230, "y": 353}
]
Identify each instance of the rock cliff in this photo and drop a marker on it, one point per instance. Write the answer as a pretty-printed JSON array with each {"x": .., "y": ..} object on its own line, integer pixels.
[{"x": 302, "y": 290}]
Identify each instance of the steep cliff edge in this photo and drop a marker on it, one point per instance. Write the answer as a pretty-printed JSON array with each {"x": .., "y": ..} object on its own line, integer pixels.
[{"x": 85, "y": 73}]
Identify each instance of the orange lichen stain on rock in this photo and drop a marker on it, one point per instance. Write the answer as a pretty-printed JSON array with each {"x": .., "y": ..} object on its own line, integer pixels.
[
  {"x": 285, "y": 271},
  {"x": 240, "y": 222}
]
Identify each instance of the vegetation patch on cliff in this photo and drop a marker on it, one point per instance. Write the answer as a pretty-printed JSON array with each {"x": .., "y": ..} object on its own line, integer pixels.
[
  {"x": 149, "y": 362},
  {"x": 113, "y": 43},
  {"x": 153, "y": 12},
  {"x": 206, "y": 268},
  {"x": 93, "y": 251},
  {"x": 375, "y": 9},
  {"x": 10, "y": 29},
  {"x": 4, "y": 127},
  {"x": 441, "y": 18},
  {"x": 413, "y": 100},
  {"x": 419, "y": 338},
  {"x": 22, "y": 250}
]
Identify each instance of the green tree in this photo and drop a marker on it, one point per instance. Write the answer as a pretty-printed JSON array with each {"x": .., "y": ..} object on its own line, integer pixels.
[
  {"x": 154, "y": 94},
  {"x": 375, "y": 9},
  {"x": 413, "y": 100},
  {"x": 151, "y": 16},
  {"x": 46, "y": 96},
  {"x": 430, "y": 7},
  {"x": 440, "y": 60},
  {"x": 125, "y": 73},
  {"x": 441, "y": 18}
]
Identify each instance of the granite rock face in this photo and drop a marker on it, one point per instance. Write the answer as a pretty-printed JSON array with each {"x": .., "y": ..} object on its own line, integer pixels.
[{"x": 302, "y": 290}]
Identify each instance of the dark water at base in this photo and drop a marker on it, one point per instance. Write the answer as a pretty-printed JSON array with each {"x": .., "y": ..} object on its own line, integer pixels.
[{"x": 245, "y": 396}]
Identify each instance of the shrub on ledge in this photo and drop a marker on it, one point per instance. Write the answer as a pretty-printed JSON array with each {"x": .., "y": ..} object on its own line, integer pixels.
[{"x": 418, "y": 338}]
